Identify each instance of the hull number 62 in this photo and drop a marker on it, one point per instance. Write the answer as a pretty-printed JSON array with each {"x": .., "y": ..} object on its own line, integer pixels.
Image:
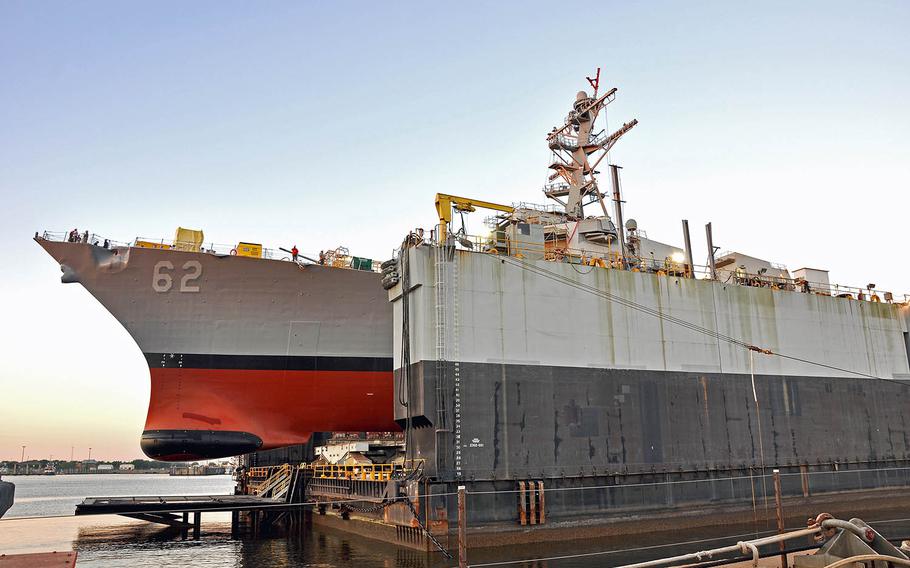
[{"x": 163, "y": 276}]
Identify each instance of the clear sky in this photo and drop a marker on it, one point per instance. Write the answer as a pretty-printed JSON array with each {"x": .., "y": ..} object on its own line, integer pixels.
[{"x": 329, "y": 123}]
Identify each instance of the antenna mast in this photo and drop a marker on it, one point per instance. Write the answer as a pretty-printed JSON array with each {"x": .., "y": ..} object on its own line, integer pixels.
[{"x": 577, "y": 151}]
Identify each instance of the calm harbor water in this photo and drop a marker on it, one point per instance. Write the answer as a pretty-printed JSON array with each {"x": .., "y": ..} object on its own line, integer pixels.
[{"x": 111, "y": 541}]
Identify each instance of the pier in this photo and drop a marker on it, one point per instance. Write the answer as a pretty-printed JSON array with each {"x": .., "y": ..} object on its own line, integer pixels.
[
  {"x": 181, "y": 512},
  {"x": 268, "y": 495}
]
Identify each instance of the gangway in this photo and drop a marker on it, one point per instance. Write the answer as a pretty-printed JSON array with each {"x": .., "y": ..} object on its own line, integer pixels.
[{"x": 175, "y": 510}]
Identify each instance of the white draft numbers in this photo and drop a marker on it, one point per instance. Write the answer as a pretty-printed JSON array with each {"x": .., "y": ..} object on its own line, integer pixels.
[{"x": 163, "y": 276}]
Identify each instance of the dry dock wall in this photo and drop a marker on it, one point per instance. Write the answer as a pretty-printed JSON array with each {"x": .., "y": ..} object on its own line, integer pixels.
[
  {"x": 537, "y": 380},
  {"x": 495, "y": 311},
  {"x": 535, "y": 422}
]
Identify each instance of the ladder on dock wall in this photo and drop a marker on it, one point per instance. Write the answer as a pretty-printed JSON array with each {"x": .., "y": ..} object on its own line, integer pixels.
[
  {"x": 443, "y": 267},
  {"x": 448, "y": 428}
]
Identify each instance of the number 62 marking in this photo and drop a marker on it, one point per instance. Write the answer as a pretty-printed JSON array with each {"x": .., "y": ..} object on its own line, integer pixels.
[{"x": 162, "y": 281}]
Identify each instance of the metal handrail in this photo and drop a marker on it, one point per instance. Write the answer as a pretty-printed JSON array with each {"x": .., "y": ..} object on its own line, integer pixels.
[
  {"x": 372, "y": 472},
  {"x": 343, "y": 261},
  {"x": 519, "y": 248}
]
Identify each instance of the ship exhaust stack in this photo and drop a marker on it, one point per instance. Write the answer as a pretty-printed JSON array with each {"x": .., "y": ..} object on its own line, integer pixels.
[
  {"x": 711, "y": 266},
  {"x": 690, "y": 269},
  {"x": 617, "y": 202}
]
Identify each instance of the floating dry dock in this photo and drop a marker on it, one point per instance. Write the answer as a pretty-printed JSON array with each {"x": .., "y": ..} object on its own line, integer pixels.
[
  {"x": 568, "y": 371},
  {"x": 565, "y": 369}
]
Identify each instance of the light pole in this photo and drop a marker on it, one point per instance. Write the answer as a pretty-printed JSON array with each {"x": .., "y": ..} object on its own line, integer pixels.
[
  {"x": 89, "y": 453},
  {"x": 21, "y": 459}
]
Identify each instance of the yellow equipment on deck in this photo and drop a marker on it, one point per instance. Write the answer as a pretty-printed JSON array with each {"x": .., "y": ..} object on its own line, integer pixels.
[
  {"x": 151, "y": 245},
  {"x": 188, "y": 240},
  {"x": 445, "y": 203},
  {"x": 252, "y": 250}
]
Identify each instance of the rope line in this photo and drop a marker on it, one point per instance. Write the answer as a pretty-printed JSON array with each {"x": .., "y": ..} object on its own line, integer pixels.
[
  {"x": 213, "y": 510},
  {"x": 625, "y": 302},
  {"x": 650, "y": 547},
  {"x": 621, "y": 550},
  {"x": 687, "y": 481}
]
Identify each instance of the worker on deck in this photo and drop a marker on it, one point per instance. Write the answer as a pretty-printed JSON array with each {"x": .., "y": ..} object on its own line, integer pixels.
[{"x": 294, "y": 252}]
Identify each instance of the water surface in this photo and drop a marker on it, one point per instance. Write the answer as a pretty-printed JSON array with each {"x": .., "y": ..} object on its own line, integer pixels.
[{"x": 111, "y": 541}]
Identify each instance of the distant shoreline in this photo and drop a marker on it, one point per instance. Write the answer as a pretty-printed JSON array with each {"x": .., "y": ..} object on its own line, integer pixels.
[{"x": 130, "y": 472}]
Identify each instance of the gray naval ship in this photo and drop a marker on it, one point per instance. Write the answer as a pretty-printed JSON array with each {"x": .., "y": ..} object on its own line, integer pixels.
[
  {"x": 568, "y": 350},
  {"x": 563, "y": 350},
  {"x": 248, "y": 349}
]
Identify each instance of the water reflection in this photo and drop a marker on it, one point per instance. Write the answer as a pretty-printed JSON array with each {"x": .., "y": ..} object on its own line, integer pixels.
[{"x": 108, "y": 542}]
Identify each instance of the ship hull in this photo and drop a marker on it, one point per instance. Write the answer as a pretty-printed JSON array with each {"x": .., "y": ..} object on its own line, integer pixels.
[
  {"x": 244, "y": 354},
  {"x": 256, "y": 406}
]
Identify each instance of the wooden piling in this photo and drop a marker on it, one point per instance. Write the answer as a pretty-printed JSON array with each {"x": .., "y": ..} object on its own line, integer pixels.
[
  {"x": 462, "y": 529},
  {"x": 780, "y": 516}
]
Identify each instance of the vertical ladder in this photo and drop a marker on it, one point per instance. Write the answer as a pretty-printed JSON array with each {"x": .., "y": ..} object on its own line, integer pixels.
[
  {"x": 442, "y": 268},
  {"x": 456, "y": 371}
]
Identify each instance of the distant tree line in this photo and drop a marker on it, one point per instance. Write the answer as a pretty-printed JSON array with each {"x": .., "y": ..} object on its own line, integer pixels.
[{"x": 76, "y": 465}]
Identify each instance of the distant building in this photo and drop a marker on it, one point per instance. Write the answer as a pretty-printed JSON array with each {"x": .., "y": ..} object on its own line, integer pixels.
[
  {"x": 105, "y": 467},
  {"x": 127, "y": 467}
]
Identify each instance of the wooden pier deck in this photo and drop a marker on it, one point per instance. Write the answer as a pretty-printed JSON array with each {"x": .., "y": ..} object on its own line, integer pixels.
[
  {"x": 173, "y": 504},
  {"x": 175, "y": 510}
]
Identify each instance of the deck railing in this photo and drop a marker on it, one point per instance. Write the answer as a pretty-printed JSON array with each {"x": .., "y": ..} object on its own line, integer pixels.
[
  {"x": 367, "y": 471},
  {"x": 337, "y": 258},
  {"x": 666, "y": 267}
]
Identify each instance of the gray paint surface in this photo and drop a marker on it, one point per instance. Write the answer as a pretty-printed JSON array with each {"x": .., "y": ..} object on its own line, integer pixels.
[
  {"x": 496, "y": 311},
  {"x": 538, "y": 380},
  {"x": 236, "y": 305}
]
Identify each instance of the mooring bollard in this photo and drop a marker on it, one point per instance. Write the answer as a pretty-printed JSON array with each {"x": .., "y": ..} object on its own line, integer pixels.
[{"x": 462, "y": 529}]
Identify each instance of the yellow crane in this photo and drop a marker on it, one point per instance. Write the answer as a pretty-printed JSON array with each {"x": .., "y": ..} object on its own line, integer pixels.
[{"x": 445, "y": 204}]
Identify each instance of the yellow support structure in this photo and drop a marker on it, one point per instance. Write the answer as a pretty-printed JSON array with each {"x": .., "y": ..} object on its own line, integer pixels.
[
  {"x": 368, "y": 472},
  {"x": 444, "y": 204}
]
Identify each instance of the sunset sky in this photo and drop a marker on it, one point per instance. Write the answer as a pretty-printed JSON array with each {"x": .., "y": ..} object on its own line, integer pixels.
[{"x": 334, "y": 123}]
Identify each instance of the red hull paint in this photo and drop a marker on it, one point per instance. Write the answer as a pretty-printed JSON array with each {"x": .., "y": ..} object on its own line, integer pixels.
[{"x": 280, "y": 407}]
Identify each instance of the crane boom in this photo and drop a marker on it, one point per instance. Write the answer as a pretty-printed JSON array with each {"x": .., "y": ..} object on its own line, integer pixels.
[{"x": 445, "y": 203}]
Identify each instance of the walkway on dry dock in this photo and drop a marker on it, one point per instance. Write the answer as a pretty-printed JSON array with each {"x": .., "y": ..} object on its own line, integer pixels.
[{"x": 174, "y": 510}]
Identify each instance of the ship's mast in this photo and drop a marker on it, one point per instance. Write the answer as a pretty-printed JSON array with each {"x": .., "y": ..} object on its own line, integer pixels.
[{"x": 578, "y": 150}]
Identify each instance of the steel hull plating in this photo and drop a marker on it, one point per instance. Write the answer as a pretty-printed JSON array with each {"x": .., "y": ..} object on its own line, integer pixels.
[
  {"x": 244, "y": 354},
  {"x": 539, "y": 422},
  {"x": 227, "y": 405},
  {"x": 575, "y": 377}
]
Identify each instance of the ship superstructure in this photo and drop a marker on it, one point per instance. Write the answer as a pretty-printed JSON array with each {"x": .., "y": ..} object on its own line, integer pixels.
[{"x": 565, "y": 350}]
